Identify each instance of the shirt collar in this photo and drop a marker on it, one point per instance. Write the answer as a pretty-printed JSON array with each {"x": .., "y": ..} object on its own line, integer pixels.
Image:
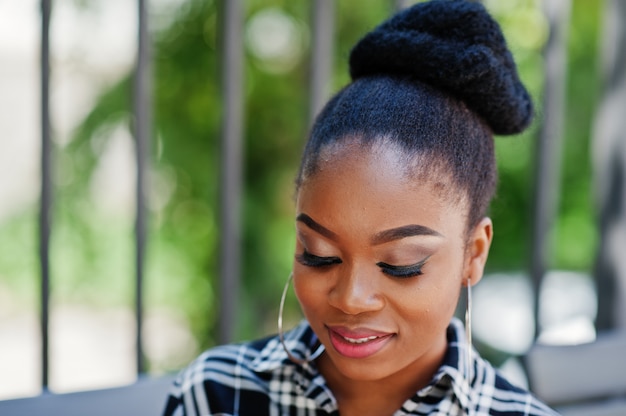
[
  {"x": 453, "y": 373},
  {"x": 302, "y": 342}
]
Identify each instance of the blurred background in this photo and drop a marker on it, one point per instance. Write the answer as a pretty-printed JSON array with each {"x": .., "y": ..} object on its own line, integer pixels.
[{"x": 93, "y": 50}]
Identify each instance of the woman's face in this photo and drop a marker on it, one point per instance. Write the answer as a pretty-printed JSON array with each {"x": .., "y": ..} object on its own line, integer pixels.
[{"x": 379, "y": 263}]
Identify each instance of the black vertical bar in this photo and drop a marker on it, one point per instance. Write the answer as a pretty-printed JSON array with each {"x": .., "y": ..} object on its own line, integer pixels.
[
  {"x": 609, "y": 157},
  {"x": 321, "y": 55},
  {"x": 142, "y": 102},
  {"x": 231, "y": 165},
  {"x": 46, "y": 190},
  {"x": 549, "y": 146}
]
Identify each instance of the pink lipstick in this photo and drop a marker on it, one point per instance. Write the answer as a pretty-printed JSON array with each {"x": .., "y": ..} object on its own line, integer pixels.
[{"x": 359, "y": 343}]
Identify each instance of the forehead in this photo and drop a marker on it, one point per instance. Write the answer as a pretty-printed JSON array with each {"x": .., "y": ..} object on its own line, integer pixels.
[
  {"x": 379, "y": 187},
  {"x": 384, "y": 157}
]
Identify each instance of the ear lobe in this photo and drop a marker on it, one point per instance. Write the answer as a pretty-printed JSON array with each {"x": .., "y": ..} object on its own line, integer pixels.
[{"x": 478, "y": 251}]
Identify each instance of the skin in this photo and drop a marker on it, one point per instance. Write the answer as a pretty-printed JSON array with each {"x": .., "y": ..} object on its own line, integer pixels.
[{"x": 344, "y": 214}]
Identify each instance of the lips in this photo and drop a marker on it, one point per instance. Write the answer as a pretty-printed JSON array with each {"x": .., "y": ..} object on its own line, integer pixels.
[{"x": 358, "y": 343}]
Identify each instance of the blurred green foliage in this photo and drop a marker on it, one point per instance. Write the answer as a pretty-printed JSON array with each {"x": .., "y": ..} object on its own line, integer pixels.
[{"x": 93, "y": 248}]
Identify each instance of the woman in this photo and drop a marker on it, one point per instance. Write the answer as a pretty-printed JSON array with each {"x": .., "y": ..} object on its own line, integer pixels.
[{"x": 392, "y": 192}]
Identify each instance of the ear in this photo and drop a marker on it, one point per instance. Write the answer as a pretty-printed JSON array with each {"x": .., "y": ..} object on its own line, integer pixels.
[{"x": 477, "y": 251}]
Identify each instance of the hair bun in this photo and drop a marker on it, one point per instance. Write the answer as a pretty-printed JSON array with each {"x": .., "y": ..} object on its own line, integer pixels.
[{"x": 454, "y": 45}]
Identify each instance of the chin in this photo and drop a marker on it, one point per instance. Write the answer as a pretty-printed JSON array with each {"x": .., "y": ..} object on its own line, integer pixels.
[
  {"x": 361, "y": 372},
  {"x": 358, "y": 370}
]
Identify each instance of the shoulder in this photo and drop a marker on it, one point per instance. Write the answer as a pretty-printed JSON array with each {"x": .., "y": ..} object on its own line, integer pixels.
[
  {"x": 225, "y": 364},
  {"x": 491, "y": 393},
  {"x": 221, "y": 379},
  {"x": 505, "y": 398}
]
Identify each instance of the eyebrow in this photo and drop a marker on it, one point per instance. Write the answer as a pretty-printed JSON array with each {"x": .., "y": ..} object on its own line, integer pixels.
[
  {"x": 403, "y": 232},
  {"x": 380, "y": 238},
  {"x": 310, "y": 222}
]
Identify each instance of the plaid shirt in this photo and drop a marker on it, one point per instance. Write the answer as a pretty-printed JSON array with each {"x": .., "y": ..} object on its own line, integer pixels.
[{"x": 258, "y": 379}]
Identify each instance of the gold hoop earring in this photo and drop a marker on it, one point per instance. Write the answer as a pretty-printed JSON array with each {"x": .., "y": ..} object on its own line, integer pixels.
[
  {"x": 468, "y": 328},
  {"x": 281, "y": 336},
  {"x": 468, "y": 346}
]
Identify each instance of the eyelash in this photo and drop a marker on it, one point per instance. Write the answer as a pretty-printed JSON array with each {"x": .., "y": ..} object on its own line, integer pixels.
[
  {"x": 311, "y": 260},
  {"x": 401, "y": 272}
]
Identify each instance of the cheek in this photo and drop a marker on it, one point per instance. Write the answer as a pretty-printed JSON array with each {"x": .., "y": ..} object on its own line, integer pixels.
[
  {"x": 433, "y": 295},
  {"x": 310, "y": 290}
]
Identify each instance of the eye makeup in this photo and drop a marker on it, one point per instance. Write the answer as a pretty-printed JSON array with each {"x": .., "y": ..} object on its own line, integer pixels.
[
  {"x": 403, "y": 272},
  {"x": 311, "y": 260}
]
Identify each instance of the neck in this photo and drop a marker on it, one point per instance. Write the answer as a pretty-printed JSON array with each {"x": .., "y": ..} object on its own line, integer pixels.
[{"x": 380, "y": 396}]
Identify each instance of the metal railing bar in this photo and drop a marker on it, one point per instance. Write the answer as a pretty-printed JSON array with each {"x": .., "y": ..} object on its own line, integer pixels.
[
  {"x": 321, "y": 54},
  {"x": 609, "y": 166},
  {"x": 548, "y": 149},
  {"x": 142, "y": 105},
  {"x": 46, "y": 190},
  {"x": 231, "y": 165}
]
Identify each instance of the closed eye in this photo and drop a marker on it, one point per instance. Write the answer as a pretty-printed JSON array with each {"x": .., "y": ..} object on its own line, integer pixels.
[
  {"x": 311, "y": 260},
  {"x": 403, "y": 271}
]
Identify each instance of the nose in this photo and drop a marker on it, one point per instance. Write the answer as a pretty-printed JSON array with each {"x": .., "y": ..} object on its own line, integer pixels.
[{"x": 356, "y": 291}]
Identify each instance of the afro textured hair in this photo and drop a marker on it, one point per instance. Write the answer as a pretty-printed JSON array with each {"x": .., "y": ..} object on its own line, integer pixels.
[{"x": 454, "y": 45}]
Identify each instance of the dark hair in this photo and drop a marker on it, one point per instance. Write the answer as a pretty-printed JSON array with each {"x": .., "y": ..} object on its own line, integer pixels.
[{"x": 438, "y": 80}]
